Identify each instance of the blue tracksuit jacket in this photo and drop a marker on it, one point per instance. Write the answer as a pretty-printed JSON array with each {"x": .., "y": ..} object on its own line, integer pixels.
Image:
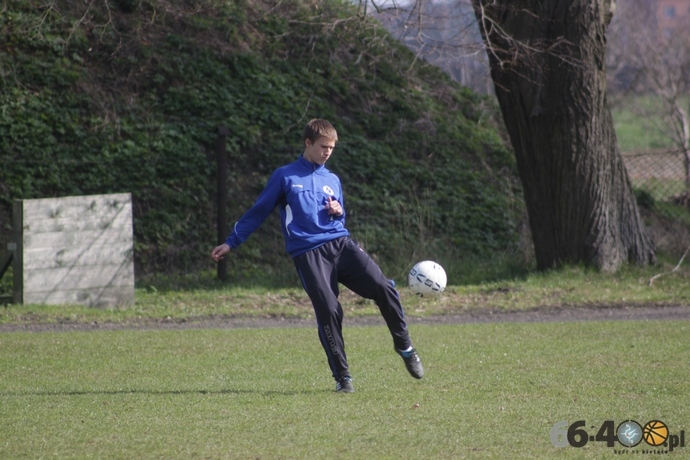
[{"x": 300, "y": 190}]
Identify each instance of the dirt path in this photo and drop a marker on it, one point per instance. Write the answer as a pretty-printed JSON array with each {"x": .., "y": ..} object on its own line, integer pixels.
[{"x": 537, "y": 315}]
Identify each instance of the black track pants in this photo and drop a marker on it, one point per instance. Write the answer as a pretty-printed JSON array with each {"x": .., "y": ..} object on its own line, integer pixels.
[{"x": 343, "y": 261}]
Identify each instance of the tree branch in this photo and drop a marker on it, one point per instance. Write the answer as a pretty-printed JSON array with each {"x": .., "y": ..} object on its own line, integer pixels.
[{"x": 677, "y": 267}]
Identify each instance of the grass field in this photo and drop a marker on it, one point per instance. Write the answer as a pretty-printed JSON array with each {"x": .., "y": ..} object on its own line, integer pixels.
[
  {"x": 202, "y": 298},
  {"x": 490, "y": 391}
]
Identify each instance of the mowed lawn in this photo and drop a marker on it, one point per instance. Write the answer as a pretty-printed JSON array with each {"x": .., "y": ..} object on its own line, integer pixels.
[{"x": 491, "y": 391}]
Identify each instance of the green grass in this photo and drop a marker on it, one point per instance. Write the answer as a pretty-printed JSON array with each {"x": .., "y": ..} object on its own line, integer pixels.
[
  {"x": 179, "y": 302},
  {"x": 637, "y": 128},
  {"x": 491, "y": 391}
]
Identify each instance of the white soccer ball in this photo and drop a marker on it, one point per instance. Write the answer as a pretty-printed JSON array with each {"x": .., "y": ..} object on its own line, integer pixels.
[{"x": 427, "y": 277}]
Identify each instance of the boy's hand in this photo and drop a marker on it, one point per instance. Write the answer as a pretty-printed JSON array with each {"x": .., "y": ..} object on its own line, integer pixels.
[
  {"x": 333, "y": 207},
  {"x": 219, "y": 252}
]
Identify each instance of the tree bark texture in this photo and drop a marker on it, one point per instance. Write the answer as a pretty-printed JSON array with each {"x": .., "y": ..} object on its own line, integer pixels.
[{"x": 547, "y": 64}]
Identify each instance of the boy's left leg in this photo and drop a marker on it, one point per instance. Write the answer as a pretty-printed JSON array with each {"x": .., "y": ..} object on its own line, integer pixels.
[{"x": 358, "y": 272}]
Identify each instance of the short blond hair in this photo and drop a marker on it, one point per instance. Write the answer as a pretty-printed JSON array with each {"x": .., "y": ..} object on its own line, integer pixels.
[{"x": 318, "y": 127}]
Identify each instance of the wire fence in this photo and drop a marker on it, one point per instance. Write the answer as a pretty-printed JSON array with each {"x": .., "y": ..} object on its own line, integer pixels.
[{"x": 661, "y": 184}]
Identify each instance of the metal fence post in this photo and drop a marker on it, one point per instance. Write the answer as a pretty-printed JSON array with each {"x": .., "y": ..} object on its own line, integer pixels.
[{"x": 222, "y": 199}]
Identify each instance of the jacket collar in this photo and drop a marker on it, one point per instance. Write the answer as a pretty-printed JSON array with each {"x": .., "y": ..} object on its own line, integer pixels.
[{"x": 308, "y": 164}]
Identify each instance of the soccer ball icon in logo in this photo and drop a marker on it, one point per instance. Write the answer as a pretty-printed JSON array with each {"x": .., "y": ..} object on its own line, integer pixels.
[
  {"x": 655, "y": 433},
  {"x": 427, "y": 277}
]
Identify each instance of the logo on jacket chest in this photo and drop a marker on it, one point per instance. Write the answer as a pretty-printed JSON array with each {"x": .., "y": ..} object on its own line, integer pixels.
[{"x": 327, "y": 190}]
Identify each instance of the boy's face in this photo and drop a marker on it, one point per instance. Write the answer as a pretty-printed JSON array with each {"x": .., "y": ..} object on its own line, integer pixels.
[{"x": 318, "y": 151}]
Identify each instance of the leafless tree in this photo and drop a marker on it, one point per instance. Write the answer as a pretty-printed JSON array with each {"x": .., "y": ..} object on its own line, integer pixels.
[
  {"x": 654, "y": 59},
  {"x": 444, "y": 33},
  {"x": 547, "y": 64}
]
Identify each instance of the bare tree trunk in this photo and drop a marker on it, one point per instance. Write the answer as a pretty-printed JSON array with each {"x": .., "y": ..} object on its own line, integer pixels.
[
  {"x": 547, "y": 64},
  {"x": 685, "y": 143}
]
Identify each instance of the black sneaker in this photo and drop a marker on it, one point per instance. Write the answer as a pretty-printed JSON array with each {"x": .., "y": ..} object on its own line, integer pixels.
[
  {"x": 345, "y": 385},
  {"x": 412, "y": 363}
]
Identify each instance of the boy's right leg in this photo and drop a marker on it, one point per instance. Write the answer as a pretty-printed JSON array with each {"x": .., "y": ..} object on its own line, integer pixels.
[{"x": 317, "y": 273}]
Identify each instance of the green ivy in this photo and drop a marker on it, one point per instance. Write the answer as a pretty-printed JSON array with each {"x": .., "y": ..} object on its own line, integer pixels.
[{"x": 129, "y": 99}]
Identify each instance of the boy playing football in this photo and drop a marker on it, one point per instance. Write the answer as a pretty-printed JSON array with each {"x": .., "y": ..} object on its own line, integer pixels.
[{"x": 312, "y": 213}]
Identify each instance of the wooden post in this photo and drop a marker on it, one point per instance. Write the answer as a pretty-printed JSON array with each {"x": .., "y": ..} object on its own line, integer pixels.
[{"x": 222, "y": 199}]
